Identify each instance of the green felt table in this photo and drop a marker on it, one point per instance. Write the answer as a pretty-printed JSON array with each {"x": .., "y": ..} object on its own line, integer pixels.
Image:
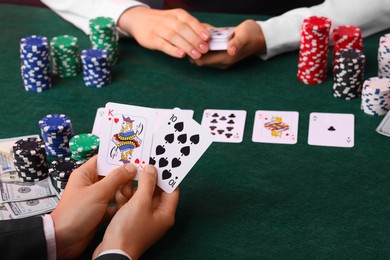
[{"x": 240, "y": 201}]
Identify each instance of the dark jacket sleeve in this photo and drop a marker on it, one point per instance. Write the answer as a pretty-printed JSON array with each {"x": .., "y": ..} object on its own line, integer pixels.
[
  {"x": 112, "y": 257},
  {"x": 22, "y": 239}
]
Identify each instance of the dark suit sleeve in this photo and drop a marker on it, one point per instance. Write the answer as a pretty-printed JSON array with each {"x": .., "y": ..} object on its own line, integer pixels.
[
  {"x": 112, "y": 257},
  {"x": 22, "y": 239}
]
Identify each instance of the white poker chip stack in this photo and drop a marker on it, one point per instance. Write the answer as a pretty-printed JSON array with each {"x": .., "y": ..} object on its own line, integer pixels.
[
  {"x": 376, "y": 96},
  {"x": 384, "y": 56}
]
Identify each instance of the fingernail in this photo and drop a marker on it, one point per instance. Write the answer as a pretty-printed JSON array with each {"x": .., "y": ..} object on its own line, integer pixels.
[
  {"x": 150, "y": 170},
  {"x": 129, "y": 167},
  {"x": 195, "y": 54},
  {"x": 233, "y": 50},
  {"x": 180, "y": 53},
  {"x": 203, "y": 48},
  {"x": 205, "y": 35}
]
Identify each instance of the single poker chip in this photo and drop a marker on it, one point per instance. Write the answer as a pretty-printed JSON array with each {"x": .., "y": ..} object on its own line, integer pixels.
[
  {"x": 54, "y": 123},
  {"x": 62, "y": 168},
  {"x": 29, "y": 146},
  {"x": 84, "y": 144}
]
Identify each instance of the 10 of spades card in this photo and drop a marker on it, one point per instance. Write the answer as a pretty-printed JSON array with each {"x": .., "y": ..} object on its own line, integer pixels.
[
  {"x": 225, "y": 125},
  {"x": 279, "y": 127},
  {"x": 177, "y": 146},
  {"x": 126, "y": 136},
  {"x": 331, "y": 129}
]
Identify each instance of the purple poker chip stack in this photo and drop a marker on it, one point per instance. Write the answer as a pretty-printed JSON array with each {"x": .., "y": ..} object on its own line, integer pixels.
[{"x": 35, "y": 63}]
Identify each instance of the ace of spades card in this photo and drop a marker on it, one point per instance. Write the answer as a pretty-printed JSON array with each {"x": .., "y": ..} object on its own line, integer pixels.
[
  {"x": 275, "y": 127},
  {"x": 331, "y": 129},
  {"x": 177, "y": 146},
  {"x": 126, "y": 136},
  {"x": 225, "y": 125}
]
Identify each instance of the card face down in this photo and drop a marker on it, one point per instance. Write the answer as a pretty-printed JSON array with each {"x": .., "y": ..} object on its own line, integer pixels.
[
  {"x": 177, "y": 146},
  {"x": 126, "y": 136},
  {"x": 280, "y": 127},
  {"x": 331, "y": 129}
]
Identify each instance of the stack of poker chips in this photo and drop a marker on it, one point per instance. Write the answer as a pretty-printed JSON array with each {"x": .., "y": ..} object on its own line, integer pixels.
[
  {"x": 348, "y": 73},
  {"x": 384, "y": 56},
  {"x": 347, "y": 37},
  {"x": 376, "y": 96},
  {"x": 103, "y": 34},
  {"x": 84, "y": 146},
  {"x": 30, "y": 159},
  {"x": 314, "y": 49},
  {"x": 56, "y": 130},
  {"x": 96, "y": 67},
  {"x": 60, "y": 170},
  {"x": 65, "y": 56},
  {"x": 35, "y": 63}
]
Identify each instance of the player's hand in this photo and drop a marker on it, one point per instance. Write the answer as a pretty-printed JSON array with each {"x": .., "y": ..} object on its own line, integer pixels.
[
  {"x": 84, "y": 205},
  {"x": 174, "y": 32},
  {"x": 143, "y": 220},
  {"x": 247, "y": 40}
]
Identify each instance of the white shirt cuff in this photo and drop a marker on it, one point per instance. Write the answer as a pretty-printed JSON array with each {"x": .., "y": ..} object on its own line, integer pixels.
[
  {"x": 114, "y": 251},
  {"x": 48, "y": 228}
]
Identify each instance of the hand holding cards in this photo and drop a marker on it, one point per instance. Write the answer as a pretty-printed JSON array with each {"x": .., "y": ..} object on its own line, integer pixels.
[
  {"x": 220, "y": 38},
  {"x": 128, "y": 135}
]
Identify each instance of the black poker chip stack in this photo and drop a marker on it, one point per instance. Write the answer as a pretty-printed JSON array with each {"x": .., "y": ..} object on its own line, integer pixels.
[
  {"x": 30, "y": 159},
  {"x": 60, "y": 170},
  {"x": 348, "y": 73}
]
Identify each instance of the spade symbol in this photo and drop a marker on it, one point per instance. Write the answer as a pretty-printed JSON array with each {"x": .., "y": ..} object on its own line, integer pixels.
[
  {"x": 228, "y": 135},
  {"x": 160, "y": 150},
  {"x": 182, "y": 138},
  {"x": 176, "y": 162},
  {"x": 229, "y": 128},
  {"x": 223, "y": 118},
  {"x": 162, "y": 162},
  {"x": 195, "y": 139},
  {"x": 215, "y": 115},
  {"x": 212, "y": 127},
  {"x": 169, "y": 138},
  {"x": 152, "y": 161},
  {"x": 332, "y": 129},
  {"x": 231, "y": 122},
  {"x": 185, "y": 150},
  {"x": 166, "y": 174},
  {"x": 220, "y": 131},
  {"x": 179, "y": 126},
  {"x": 232, "y": 116},
  {"x": 214, "y": 121}
]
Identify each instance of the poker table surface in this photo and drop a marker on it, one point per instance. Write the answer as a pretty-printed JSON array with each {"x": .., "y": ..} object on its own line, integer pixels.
[{"x": 241, "y": 200}]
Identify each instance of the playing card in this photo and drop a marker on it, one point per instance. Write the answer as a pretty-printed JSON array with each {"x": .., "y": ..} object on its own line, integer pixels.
[
  {"x": 177, "y": 146},
  {"x": 220, "y": 37},
  {"x": 126, "y": 136},
  {"x": 225, "y": 125},
  {"x": 279, "y": 127},
  {"x": 384, "y": 126},
  {"x": 163, "y": 113},
  {"x": 97, "y": 124},
  {"x": 331, "y": 129}
]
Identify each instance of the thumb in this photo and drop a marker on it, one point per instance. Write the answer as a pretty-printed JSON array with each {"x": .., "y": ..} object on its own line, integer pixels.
[
  {"x": 147, "y": 183},
  {"x": 117, "y": 177}
]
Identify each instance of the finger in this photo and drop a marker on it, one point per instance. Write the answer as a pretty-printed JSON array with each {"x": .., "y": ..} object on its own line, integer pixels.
[
  {"x": 194, "y": 23},
  {"x": 146, "y": 184},
  {"x": 168, "y": 201},
  {"x": 117, "y": 177},
  {"x": 88, "y": 170},
  {"x": 169, "y": 49}
]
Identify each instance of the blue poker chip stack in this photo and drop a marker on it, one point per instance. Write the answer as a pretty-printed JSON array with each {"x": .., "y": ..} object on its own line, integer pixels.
[
  {"x": 384, "y": 56},
  {"x": 348, "y": 73},
  {"x": 376, "y": 96},
  {"x": 56, "y": 130},
  {"x": 35, "y": 63},
  {"x": 96, "y": 67}
]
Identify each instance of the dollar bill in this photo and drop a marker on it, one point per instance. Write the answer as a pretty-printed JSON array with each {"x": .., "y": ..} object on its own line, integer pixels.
[
  {"x": 4, "y": 213},
  {"x": 19, "y": 191},
  {"x": 384, "y": 126},
  {"x": 27, "y": 208}
]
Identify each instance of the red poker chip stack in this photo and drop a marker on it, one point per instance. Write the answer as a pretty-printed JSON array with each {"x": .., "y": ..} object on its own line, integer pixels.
[
  {"x": 314, "y": 49},
  {"x": 347, "y": 37}
]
